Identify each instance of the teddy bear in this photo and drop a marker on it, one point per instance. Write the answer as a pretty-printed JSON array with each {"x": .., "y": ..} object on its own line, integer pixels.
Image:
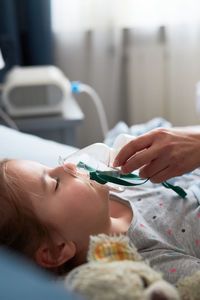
[{"x": 116, "y": 271}]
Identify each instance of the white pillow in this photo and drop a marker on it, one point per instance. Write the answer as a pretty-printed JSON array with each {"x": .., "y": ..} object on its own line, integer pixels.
[{"x": 15, "y": 144}]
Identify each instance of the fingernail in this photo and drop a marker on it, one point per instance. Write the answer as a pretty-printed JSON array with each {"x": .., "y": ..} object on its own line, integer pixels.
[
  {"x": 116, "y": 163},
  {"x": 125, "y": 170}
]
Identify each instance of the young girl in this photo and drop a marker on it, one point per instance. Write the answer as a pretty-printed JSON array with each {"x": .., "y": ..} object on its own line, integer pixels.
[{"x": 49, "y": 214}]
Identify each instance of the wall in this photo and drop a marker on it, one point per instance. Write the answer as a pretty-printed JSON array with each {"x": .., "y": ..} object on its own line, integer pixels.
[
  {"x": 163, "y": 71},
  {"x": 139, "y": 74}
]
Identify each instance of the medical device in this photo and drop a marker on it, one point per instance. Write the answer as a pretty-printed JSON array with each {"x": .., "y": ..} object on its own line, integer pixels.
[
  {"x": 35, "y": 91},
  {"x": 31, "y": 91},
  {"x": 95, "y": 162}
]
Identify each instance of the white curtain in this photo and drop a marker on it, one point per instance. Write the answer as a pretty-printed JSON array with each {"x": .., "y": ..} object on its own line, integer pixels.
[{"x": 142, "y": 57}]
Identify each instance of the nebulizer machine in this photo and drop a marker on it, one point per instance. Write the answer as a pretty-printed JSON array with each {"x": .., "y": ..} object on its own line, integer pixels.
[{"x": 95, "y": 162}]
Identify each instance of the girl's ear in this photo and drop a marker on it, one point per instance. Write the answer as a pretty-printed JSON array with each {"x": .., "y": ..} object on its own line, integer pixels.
[{"x": 64, "y": 252}]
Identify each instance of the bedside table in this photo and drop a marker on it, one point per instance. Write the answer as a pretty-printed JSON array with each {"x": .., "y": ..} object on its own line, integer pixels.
[{"x": 60, "y": 128}]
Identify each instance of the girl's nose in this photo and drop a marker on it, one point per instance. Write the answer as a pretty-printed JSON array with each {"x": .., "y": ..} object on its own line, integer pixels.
[
  {"x": 74, "y": 170},
  {"x": 71, "y": 167}
]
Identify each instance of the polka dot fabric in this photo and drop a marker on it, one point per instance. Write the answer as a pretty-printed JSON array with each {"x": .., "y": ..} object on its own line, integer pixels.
[{"x": 166, "y": 228}]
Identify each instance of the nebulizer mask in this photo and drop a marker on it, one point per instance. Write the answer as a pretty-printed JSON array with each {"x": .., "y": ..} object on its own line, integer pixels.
[{"x": 95, "y": 162}]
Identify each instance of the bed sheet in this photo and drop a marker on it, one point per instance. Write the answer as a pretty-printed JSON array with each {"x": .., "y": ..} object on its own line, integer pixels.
[
  {"x": 138, "y": 129},
  {"x": 15, "y": 144}
]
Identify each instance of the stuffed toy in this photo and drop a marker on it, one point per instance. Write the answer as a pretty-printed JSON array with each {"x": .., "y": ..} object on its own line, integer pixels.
[
  {"x": 116, "y": 271},
  {"x": 189, "y": 287}
]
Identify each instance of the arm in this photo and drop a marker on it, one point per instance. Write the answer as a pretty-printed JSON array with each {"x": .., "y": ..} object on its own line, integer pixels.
[{"x": 161, "y": 154}]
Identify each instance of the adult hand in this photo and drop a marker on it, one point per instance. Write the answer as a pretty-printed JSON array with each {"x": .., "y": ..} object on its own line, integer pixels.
[{"x": 160, "y": 154}]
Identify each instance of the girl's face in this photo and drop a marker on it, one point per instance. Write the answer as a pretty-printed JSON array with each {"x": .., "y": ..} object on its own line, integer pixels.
[{"x": 74, "y": 207}]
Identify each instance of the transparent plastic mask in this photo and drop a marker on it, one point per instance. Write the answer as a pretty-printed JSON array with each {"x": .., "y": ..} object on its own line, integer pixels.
[
  {"x": 95, "y": 162},
  {"x": 99, "y": 157},
  {"x": 75, "y": 171}
]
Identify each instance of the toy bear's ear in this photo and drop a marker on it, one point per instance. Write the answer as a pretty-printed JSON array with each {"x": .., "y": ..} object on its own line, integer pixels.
[{"x": 107, "y": 248}]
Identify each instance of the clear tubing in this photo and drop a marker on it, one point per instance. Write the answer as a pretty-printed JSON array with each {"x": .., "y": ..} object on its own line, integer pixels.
[
  {"x": 98, "y": 103},
  {"x": 8, "y": 120}
]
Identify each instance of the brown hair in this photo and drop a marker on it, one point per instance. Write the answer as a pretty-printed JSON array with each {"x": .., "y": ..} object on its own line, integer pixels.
[{"x": 20, "y": 228}]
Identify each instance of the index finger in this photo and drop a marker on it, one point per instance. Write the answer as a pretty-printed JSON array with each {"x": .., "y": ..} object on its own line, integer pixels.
[{"x": 140, "y": 143}]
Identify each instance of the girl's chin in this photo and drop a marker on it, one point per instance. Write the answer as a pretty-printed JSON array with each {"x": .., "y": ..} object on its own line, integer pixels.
[{"x": 106, "y": 189}]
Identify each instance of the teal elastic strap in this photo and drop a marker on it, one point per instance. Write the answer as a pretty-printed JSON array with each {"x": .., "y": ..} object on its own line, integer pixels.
[{"x": 104, "y": 177}]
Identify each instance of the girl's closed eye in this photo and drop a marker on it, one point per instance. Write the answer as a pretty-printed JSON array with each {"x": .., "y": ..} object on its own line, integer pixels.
[{"x": 57, "y": 183}]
